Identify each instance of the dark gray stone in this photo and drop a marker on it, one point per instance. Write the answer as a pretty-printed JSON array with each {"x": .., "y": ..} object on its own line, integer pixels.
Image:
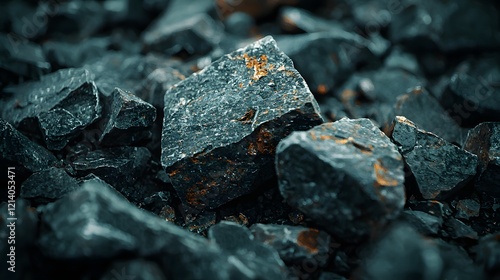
[
  {"x": 488, "y": 254},
  {"x": 48, "y": 185},
  {"x": 63, "y": 102},
  {"x": 128, "y": 119},
  {"x": 440, "y": 168},
  {"x": 260, "y": 260},
  {"x": 424, "y": 223},
  {"x": 222, "y": 125},
  {"x": 457, "y": 229},
  {"x": 134, "y": 269},
  {"x": 484, "y": 141},
  {"x": 294, "y": 244},
  {"x": 426, "y": 112},
  {"x": 95, "y": 224},
  {"x": 347, "y": 176},
  {"x": 21, "y": 152},
  {"x": 184, "y": 26},
  {"x": 62, "y": 54},
  {"x": 467, "y": 208},
  {"x": 119, "y": 167}
]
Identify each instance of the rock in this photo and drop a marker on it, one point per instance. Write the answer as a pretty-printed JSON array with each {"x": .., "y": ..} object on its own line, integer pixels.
[
  {"x": 332, "y": 109},
  {"x": 488, "y": 254},
  {"x": 456, "y": 229},
  {"x": 399, "y": 59},
  {"x": 239, "y": 24},
  {"x": 424, "y": 223},
  {"x": 337, "y": 54},
  {"x": 294, "y": 244},
  {"x": 62, "y": 54},
  {"x": 294, "y": 19},
  {"x": 119, "y": 167},
  {"x": 457, "y": 263},
  {"x": 467, "y": 208},
  {"x": 129, "y": 118},
  {"x": 256, "y": 8},
  {"x": 372, "y": 94},
  {"x": 110, "y": 227},
  {"x": 260, "y": 260},
  {"x": 402, "y": 253},
  {"x": 473, "y": 95},
  {"x": 433, "y": 207},
  {"x": 347, "y": 176},
  {"x": 21, "y": 59},
  {"x": 157, "y": 83},
  {"x": 18, "y": 151},
  {"x": 63, "y": 103},
  {"x": 222, "y": 125},
  {"x": 134, "y": 269},
  {"x": 426, "y": 112},
  {"x": 484, "y": 141},
  {"x": 202, "y": 223},
  {"x": 184, "y": 26},
  {"x": 331, "y": 276},
  {"x": 440, "y": 168},
  {"x": 461, "y": 26},
  {"x": 47, "y": 186}
]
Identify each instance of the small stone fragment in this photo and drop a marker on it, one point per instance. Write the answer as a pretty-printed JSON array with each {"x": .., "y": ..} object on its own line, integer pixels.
[
  {"x": 18, "y": 150},
  {"x": 128, "y": 119},
  {"x": 201, "y": 223},
  {"x": 440, "y": 168},
  {"x": 424, "y": 223},
  {"x": 458, "y": 230},
  {"x": 436, "y": 208},
  {"x": 295, "y": 20},
  {"x": 63, "y": 102},
  {"x": 260, "y": 260},
  {"x": 294, "y": 244},
  {"x": 426, "y": 112},
  {"x": 347, "y": 176},
  {"x": 399, "y": 59},
  {"x": 119, "y": 167},
  {"x": 184, "y": 26},
  {"x": 467, "y": 208},
  {"x": 157, "y": 83},
  {"x": 222, "y": 125},
  {"x": 239, "y": 24},
  {"x": 484, "y": 141},
  {"x": 47, "y": 186},
  {"x": 62, "y": 54}
]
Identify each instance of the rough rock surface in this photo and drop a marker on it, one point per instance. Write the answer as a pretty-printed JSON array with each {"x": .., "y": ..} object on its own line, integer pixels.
[
  {"x": 347, "y": 176},
  {"x": 222, "y": 125}
]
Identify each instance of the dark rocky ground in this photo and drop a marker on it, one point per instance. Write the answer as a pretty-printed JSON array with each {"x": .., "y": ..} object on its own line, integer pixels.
[{"x": 250, "y": 139}]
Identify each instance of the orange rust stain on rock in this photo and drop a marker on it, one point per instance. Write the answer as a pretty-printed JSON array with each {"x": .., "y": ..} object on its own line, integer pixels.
[
  {"x": 252, "y": 149},
  {"x": 322, "y": 89},
  {"x": 381, "y": 176},
  {"x": 196, "y": 193},
  {"x": 173, "y": 172},
  {"x": 347, "y": 95},
  {"x": 313, "y": 135},
  {"x": 264, "y": 141},
  {"x": 259, "y": 66},
  {"x": 248, "y": 116},
  {"x": 308, "y": 239}
]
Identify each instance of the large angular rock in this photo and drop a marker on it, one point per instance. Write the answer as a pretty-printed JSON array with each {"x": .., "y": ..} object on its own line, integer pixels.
[
  {"x": 18, "y": 150},
  {"x": 95, "y": 223},
  {"x": 48, "y": 185},
  {"x": 440, "y": 168},
  {"x": 426, "y": 112},
  {"x": 429, "y": 24},
  {"x": 347, "y": 176},
  {"x": 222, "y": 125},
  {"x": 63, "y": 103},
  {"x": 260, "y": 260},
  {"x": 294, "y": 244},
  {"x": 484, "y": 141},
  {"x": 184, "y": 26},
  {"x": 129, "y": 118},
  {"x": 119, "y": 167}
]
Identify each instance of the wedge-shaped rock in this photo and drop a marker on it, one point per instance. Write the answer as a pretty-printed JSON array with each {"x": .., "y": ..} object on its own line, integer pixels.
[
  {"x": 484, "y": 141},
  {"x": 128, "y": 119},
  {"x": 346, "y": 176},
  {"x": 440, "y": 168},
  {"x": 18, "y": 150},
  {"x": 95, "y": 223},
  {"x": 48, "y": 185},
  {"x": 222, "y": 125},
  {"x": 63, "y": 103}
]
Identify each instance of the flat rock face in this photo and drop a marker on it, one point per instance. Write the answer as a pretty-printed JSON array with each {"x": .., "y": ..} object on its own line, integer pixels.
[
  {"x": 484, "y": 141},
  {"x": 63, "y": 103},
  {"x": 440, "y": 168},
  {"x": 222, "y": 125},
  {"x": 48, "y": 185},
  {"x": 346, "y": 176},
  {"x": 18, "y": 149}
]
